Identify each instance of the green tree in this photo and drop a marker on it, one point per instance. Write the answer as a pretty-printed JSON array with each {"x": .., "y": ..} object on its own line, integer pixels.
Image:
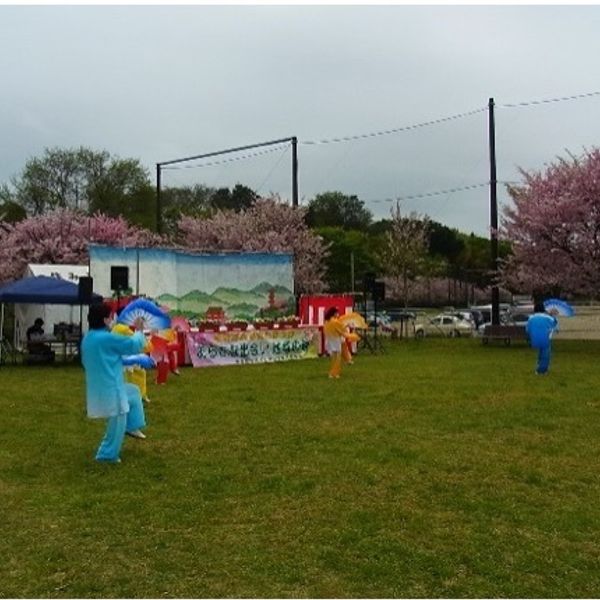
[
  {"x": 121, "y": 187},
  {"x": 190, "y": 201},
  {"x": 445, "y": 242},
  {"x": 86, "y": 180},
  {"x": 334, "y": 209},
  {"x": 10, "y": 211},
  {"x": 239, "y": 198},
  {"x": 347, "y": 248},
  {"x": 474, "y": 262},
  {"x": 380, "y": 228}
]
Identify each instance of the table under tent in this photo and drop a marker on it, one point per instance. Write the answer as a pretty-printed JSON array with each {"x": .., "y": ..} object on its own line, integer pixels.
[{"x": 41, "y": 290}]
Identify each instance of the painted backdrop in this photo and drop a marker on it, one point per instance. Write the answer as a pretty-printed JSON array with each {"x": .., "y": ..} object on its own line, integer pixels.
[{"x": 241, "y": 285}]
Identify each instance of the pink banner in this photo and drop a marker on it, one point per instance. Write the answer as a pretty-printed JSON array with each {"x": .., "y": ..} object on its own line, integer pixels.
[{"x": 208, "y": 349}]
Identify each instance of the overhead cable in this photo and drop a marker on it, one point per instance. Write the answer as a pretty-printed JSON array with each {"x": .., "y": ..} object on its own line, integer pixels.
[
  {"x": 430, "y": 194},
  {"x": 549, "y": 100},
  {"x": 227, "y": 160},
  {"x": 391, "y": 131}
]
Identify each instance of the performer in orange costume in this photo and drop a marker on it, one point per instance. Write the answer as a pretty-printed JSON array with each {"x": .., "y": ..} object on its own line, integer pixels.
[
  {"x": 351, "y": 321},
  {"x": 347, "y": 352},
  {"x": 335, "y": 334}
]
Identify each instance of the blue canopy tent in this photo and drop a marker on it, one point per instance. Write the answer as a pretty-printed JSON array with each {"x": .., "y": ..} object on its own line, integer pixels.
[{"x": 41, "y": 290}]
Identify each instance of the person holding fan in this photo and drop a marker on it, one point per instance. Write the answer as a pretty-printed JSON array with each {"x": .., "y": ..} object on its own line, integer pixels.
[{"x": 108, "y": 396}]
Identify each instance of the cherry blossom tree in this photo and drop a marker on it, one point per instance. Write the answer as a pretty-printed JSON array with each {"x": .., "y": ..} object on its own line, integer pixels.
[
  {"x": 268, "y": 225},
  {"x": 554, "y": 227},
  {"x": 405, "y": 250},
  {"x": 61, "y": 237}
]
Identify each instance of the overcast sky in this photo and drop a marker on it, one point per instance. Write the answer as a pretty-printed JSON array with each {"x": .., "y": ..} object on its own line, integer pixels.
[{"x": 160, "y": 82}]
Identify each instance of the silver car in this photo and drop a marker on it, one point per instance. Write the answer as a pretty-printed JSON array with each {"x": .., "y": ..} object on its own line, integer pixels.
[{"x": 445, "y": 325}]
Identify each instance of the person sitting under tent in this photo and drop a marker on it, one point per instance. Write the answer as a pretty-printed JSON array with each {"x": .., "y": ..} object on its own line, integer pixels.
[{"x": 36, "y": 347}]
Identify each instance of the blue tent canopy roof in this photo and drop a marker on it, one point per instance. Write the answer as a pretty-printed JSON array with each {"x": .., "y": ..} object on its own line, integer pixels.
[{"x": 42, "y": 290}]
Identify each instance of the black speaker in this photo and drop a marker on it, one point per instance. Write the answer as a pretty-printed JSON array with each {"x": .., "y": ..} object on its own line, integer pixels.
[
  {"x": 378, "y": 291},
  {"x": 86, "y": 289},
  {"x": 368, "y": 281},
  {"x": 119, "y": 278}
]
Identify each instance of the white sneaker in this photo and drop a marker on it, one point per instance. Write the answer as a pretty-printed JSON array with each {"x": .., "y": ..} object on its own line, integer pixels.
[{"x": 136, "y": 434}]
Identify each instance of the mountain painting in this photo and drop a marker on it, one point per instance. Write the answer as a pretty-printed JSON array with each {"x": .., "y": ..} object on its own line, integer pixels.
[
  {"x": 236, "y": 304},
  {"x": 242, "y": 285}
]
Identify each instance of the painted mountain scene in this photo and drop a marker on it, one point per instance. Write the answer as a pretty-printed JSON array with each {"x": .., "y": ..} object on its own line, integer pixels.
[{"x": 264, "y": 300}]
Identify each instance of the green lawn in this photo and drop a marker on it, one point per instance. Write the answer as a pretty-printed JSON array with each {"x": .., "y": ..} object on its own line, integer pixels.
[{"x": 442, "y": 468}]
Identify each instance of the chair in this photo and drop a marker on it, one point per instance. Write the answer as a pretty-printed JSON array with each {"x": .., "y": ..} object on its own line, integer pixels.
[{"x": 39, "y": 353}]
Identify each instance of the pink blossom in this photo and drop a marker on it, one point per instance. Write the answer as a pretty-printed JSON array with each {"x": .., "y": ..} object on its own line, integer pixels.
[
  {"x": 554, "y": 227},
  {"x": 61, "y": 237},
  {"x": 268, "y": 225}
]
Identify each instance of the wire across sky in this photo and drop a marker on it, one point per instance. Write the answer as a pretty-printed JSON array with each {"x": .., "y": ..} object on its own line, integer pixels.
[{"x": 392, "y": 131}]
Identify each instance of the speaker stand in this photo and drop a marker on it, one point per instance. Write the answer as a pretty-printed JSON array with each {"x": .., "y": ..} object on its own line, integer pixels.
[{"x": 372, "y": 343}]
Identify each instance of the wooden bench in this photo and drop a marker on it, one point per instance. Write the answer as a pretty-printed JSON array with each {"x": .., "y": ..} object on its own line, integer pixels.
[{"x": 507, "y": 333}]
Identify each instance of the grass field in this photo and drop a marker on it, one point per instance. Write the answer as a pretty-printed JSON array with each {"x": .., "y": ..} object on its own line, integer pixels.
[{"x": 442, "y": 468}]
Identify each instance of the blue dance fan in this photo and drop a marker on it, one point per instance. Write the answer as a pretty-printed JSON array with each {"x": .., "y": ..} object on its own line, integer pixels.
[
  {"x": 559, "y": 307},
  {"x": 139, "y": 360},
  {"x": 153, "y": 316}
]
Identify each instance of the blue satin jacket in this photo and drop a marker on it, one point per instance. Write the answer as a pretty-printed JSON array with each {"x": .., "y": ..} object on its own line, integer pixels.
[
  {"x": 101, "y": 355},
  {"x": 540, "y": 327}
]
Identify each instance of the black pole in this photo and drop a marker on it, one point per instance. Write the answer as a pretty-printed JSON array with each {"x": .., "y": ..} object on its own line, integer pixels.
[
  {"x": 227, "y": 151},
  {"x": 158, "y": 202},
  {"x": 294, "y": 171},
  {"x": 493, "y": 216}
]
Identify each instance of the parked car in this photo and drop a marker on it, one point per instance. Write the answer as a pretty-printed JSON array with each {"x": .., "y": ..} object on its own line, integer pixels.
[
  {"x": 447, "y": 325},
  {"x": 465, "y": 315},
  {"x": 519, "y": 315},
  {"x": 396, "y": 314},
  {"x": 519, "y": 319},
  {"x": 381, "y": 320},
  {"x": 485, "y": 315},
  {"x": 477, "y": 317}
]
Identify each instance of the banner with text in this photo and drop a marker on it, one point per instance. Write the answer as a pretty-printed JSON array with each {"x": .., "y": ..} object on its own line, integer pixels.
[{"x": 247, "y": 347}]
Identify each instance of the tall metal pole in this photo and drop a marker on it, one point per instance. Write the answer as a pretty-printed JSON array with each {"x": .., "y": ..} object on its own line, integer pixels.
[
  {"x": 294, "y": 171},
  {"x": 158, "y": 201},
  {"x": 493, "y": 215}
]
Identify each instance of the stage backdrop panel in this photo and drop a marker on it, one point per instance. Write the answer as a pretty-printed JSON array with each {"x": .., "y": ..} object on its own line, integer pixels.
[{"x": 241, "y": 285}]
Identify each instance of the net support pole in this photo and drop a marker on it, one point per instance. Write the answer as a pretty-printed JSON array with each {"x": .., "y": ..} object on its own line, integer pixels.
[
  {"x": 294, "y": 141},
  {"x": 493, "y": 215},
  {"x": 159, "y": 165},
  {"x": 158, "y": 201}
]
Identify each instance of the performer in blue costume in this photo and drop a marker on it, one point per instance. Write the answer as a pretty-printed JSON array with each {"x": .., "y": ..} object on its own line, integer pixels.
[
  {"x": 540, "y": 327},
  {"x": 107, "y": 394}
]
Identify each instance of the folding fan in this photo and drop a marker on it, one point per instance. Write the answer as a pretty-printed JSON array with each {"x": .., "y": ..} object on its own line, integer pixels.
[{"x": 151, "y": 314}]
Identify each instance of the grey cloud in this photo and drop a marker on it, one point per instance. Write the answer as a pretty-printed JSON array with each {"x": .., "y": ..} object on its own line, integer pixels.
[{"x": 162, "y": 82}]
